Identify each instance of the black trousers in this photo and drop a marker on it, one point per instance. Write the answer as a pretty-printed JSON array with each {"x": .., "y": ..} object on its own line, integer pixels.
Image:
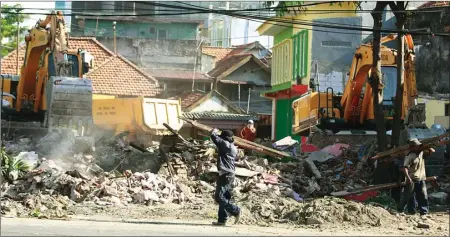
[{"x": 224, "y": 189}]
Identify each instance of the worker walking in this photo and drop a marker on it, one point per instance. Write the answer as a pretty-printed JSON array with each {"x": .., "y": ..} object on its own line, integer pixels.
[
  {"x": 414, "y": 170},
  {"x": 226, "y": 168},
  {"x": 249, "y": 131}
]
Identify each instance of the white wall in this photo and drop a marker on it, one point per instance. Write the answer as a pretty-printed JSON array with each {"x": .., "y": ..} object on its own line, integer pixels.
[{"x": 213, "y": 104}]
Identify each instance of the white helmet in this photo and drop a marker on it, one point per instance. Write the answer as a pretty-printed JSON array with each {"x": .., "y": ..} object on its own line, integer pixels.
[{"x": 250, "y": 121}]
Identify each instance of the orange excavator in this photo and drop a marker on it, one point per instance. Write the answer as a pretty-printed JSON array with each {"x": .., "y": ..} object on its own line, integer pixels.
[
  {"x": 50, "y": 90},
  {"x": 354, "y": 108}
]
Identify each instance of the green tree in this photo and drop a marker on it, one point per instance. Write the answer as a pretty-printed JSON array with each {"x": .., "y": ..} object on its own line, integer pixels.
[
  {"x": 10, "y": 16},
  {"x": 297, "y": 6}
]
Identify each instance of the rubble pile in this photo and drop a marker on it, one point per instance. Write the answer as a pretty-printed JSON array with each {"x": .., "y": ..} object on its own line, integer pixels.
[{"x": 288, "y": 190}]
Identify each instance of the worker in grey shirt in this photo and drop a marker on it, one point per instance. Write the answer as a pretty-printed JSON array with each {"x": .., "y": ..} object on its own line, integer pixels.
[
  {"x": 414, "y": 170},
  {"x": 226, "y": 168}
]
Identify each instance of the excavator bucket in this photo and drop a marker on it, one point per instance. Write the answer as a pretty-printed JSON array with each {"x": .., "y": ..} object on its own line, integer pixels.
[
  {"x": 69, "y": 106},
  {"x": 416, "y": 116}
]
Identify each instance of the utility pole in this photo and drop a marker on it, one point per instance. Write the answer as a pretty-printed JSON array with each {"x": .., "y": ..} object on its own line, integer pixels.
[
  {"x": 1, "y": 92},
  {"x": 114, "y": 30},
  {"x": 17, "y": 42},
  {"x": 399, "y": 12}
]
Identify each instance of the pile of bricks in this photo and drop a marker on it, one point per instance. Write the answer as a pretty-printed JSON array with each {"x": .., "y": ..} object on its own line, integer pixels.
[{"x": 178, "y": 166}]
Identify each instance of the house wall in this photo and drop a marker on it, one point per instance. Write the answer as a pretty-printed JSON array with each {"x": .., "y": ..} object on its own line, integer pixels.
[
  {"x": 156, "y": 54},
  {"x": 250, "y": 72},
  {"x": 284, "y": 119},
  {"x": 433, "y": 108},
  {"x": 174, "y": 88},
  {"x": 143, "y": 44},
  {"x": 143, "y": 30},
  {"x": 208, "y": 63},
  {"x": 334, "y": 51},
  {"x": 432, "y": 53},
  {"x": 212, "y": 104}
]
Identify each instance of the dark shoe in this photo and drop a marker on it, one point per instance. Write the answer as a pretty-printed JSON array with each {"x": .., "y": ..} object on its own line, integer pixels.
[
  {"x": 216, "y": 223},
  {"x": 237, "y": 217}
]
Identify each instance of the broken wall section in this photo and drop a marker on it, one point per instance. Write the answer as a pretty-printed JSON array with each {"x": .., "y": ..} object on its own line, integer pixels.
[{"x": 157, "y": 54}]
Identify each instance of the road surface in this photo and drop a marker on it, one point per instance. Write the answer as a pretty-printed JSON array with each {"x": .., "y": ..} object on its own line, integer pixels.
[{"x": 36, "y": 227}]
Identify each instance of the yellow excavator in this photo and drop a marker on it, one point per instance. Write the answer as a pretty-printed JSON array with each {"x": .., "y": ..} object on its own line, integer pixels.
[
  {"x": 354, "y": 108},
  {"x": 51, "y": 93},
  {"x": 50, "y": 90}
]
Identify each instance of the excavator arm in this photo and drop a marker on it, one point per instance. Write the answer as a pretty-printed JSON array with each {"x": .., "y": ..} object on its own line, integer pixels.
[
  {"x": 47, "y": 85},
  {"x": 355, "y": 106},
  {"x": 41, "y": 43},
  {"x": 360, "y": 68}
]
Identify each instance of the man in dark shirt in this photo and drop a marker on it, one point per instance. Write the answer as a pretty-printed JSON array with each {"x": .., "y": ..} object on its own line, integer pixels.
[{"x": 226, "y": 168}]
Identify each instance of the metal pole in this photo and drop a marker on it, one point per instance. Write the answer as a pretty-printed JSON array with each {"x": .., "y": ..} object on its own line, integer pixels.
[
  {"x": 248, "y": 101},
  {"x": 17, "y": 42},
  {"x": 195, "y": 64},
  {"x": 114, "y": 30},
  {"x": 239, "y": 94},
  {"x": 96, "y": 28}
]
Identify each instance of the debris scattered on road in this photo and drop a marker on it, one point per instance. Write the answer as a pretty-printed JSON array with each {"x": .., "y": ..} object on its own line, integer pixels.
[{"x": 116, "y": 176}]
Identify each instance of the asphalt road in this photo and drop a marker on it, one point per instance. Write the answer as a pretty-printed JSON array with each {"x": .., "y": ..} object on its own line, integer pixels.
[{"x": 36, "y": 227}]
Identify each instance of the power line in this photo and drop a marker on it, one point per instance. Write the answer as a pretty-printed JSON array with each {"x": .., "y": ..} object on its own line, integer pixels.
[
  {"x": 268, "y": 20},
  {"x": 314, "y": 24}
]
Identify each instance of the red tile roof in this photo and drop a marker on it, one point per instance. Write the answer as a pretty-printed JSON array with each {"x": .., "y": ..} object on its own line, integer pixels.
[
  {"x": 228, "y": 63},
  {"x": 99, "y": 51},
  {"x": 118, "y": 76},
  {"x": 231, "y": 63},
  {"x": 9, "y": 63},
  {"x": 112, "y": 74},
  {"x": 190, "y": 97},
  {"x": 240, "y": 49},
  {"x": 218, "y": 52},
  {"x": 434, "y": 4},
  {"x": 168, "y": 74}
]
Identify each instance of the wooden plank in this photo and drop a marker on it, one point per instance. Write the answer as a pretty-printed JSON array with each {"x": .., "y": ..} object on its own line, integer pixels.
[
  {"x": 374, "y": 187},
  {"x": 405, "y": 148},
  {"x": 242, "y": 142},
  {"x": 176, "y": 133}
]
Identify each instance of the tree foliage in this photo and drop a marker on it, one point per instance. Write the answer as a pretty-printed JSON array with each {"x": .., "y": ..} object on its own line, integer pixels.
[
  {"x": 10, "y": 16},
  {"x": 298, "y": 6}
]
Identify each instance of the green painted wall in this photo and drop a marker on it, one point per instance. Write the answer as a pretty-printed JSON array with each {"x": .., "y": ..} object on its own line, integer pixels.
[
  {"x": 175, "y": 31},
  {"x": 286, "y": 34},
  {"x": 283, "y": 119}
]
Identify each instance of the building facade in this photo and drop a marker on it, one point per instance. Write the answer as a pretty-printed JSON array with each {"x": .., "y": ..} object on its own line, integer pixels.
[{"x": 292, "y": 56}]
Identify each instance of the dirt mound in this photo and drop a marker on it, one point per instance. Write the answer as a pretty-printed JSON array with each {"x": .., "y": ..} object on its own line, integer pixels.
[
  {"x": 264, "y": 209},
  {"x": 333, "y": 210}
]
